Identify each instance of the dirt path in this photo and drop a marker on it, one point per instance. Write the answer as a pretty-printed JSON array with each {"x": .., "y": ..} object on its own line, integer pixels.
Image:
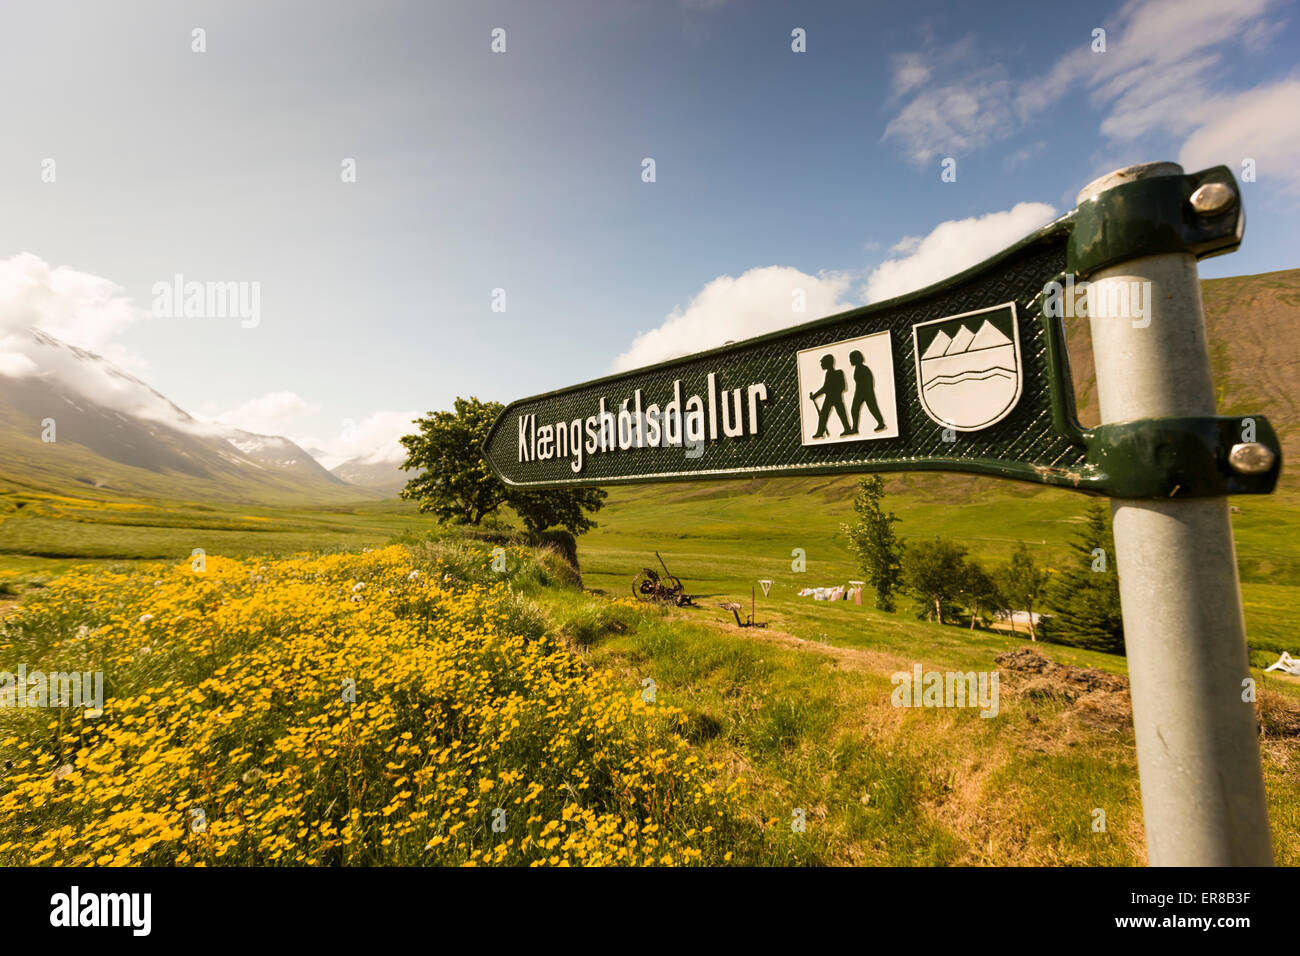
[{"x": 852, "y": 658}]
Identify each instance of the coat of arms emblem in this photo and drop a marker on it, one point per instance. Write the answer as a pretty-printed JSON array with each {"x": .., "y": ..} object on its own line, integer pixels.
[{"x": 968, "y": 370}]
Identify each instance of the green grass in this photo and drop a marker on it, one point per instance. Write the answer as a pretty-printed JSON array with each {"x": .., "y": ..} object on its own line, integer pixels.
[
  {"x": 48, "y": 533},
  {"x": 809, "y": 730},
  {"x": 720, "y": 538},
  {"x": 798, "y": 713}
]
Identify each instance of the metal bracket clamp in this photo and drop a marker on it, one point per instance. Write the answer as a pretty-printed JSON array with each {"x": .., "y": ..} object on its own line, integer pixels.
[
  {"x": 1198, "y": 213},
  {"x": 1185, "y": 457},
  {"x": 1203, "y": 796}
]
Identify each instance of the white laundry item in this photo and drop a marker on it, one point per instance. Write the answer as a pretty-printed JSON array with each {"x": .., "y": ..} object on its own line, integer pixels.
[{"x": 1286, "y": 664}]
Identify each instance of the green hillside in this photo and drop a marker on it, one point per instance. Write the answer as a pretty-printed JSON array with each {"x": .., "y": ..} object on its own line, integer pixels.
[{"x": 1250, "y": 322}]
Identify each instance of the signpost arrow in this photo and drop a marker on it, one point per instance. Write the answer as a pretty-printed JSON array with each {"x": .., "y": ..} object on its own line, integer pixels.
[
  {"x": 972, "y": 375},
  {"x": 967, "y": 375}
]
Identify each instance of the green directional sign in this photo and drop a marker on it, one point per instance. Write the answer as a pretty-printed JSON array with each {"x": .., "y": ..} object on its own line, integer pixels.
[{"x": 969, "y": 375}]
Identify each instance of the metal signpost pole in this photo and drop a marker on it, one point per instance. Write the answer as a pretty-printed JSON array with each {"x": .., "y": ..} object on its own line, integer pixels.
[{"x": 1198, "y": 753}]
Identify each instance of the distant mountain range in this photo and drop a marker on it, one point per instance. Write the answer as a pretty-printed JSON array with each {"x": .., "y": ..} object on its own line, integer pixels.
[
  {"x": 385, "y": 477},
  {"x": 113, "y": 432}
]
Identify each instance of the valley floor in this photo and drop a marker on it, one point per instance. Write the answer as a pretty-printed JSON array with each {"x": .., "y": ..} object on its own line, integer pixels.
[{"x": 796, "y": 721}]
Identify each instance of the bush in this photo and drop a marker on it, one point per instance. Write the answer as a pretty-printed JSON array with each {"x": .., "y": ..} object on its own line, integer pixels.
[
  {"x": 1085, "y": 597},
  {"x": 591, "y": 621},
  {"x": 878, "y": 548}
]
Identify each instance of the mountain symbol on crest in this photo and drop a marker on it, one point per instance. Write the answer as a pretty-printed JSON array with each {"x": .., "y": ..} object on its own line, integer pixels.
[
  {"x": 969, "y": 374},
  {"x": 959, "y": 363},
  {"x": 988, "y": 337}
]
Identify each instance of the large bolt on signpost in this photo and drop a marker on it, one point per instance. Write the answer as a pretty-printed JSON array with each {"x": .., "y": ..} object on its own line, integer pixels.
[{"x": 1198, "y": 754}]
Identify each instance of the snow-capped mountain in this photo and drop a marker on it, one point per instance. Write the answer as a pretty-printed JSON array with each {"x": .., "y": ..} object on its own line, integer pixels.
[
  {"x": 383, "y": 476},
  {"x": 67, "y": 414}
]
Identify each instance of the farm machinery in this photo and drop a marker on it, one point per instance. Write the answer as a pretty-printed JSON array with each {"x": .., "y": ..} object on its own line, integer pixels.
[
  {"x": 649, "y": 585},
  {"x": 735, "y": 608}
]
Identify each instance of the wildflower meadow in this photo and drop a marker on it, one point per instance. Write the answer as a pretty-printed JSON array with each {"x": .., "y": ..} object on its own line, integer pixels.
[{"x": 400, "y": 706}]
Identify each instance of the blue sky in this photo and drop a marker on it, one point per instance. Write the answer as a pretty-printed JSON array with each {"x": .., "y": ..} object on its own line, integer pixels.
[{"x": 522, "y": 171}]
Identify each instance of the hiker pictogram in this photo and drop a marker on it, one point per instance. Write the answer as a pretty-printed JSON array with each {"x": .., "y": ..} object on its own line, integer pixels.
[
  {"x": 850, "y": 390},
  {"x": 832, "y": 394},
  {"x": 864, "y": 393}
]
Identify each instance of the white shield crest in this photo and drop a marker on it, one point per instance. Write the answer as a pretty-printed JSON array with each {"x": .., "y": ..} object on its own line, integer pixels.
[{"x": 968, "y": 370}]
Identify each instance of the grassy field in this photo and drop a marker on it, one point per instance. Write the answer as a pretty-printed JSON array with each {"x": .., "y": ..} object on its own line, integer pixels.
[
  {"x": 397, "y": 706},
  {"x": 721, "y": 538},
  {"x": 795, "y": 720},
  {"x": 42, "y": 535},
  {"x": 607, "y": 731},
  {"x": 718, "y": 537}
]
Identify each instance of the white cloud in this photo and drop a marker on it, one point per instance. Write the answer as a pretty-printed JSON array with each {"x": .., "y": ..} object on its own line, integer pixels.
[
  {"x": 905, "y": 246},
  {"x": 951, "y": 247},
  {"x": 1262, "y": 124},
  {"x": 761, "y": 300},
  {"x": 267, "y": 414},
  {"x": 14, "y": 363},
  {"x": 1024, "y": 155},
  {"x": 910, "y": 71},
  {"x": 373, "y": 440},
  {"x": 77, "y": 308},
  {"x": 1159, "y": 73},
  {"x": 955, "y": 118},
  {"x": 1154, "y": 98},
  {"x": 59, "y": 323},
  {"x": 1158, "y": 53}
]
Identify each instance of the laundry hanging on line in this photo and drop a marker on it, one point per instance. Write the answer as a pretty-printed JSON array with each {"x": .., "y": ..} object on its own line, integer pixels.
[{"x": 837, "y": 593}]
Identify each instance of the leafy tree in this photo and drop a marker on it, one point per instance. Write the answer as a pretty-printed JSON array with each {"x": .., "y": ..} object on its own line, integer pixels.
[
  {"x": 1023, "y": 584},
  {"x": 557, "y": 509},
  {"x": 979, "y": 591},
  {"x": 1085, "y": 597},
  {"x": 457, "y": 485},
  {"x": 873, "y": 540},
  {"x": 934, "y": 571}
]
